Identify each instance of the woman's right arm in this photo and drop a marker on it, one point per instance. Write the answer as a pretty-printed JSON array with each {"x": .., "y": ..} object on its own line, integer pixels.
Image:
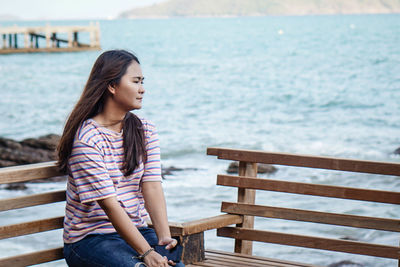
[
  {"x": 94, "y": 184},
  {"x": 128, "y": 231}
]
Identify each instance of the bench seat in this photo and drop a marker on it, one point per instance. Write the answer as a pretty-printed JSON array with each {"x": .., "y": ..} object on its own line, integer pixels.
[{"x": 217, "y": 258}]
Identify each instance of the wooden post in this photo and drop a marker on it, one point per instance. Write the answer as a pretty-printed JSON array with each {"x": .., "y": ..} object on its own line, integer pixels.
[
  {"x": 193, "y": 248},
  {"x": 15, "y": 40},
  {"x": 37, "y": 41},
  {"x": 53, "y": 39},
  {"x": 31, "y": 44},
  {"x": 10, "y": 40},
  {"x": 246, "y": 196},
  {"x": 75, "y": 42},
  {"x": 4, "y": 41}
]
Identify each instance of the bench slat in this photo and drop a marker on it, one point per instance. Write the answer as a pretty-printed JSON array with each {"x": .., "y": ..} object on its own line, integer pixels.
[
  {"x": 310, "y": 189},
  {"x": 318, "y": 162},
  {"x": 312, "y": 216},
  {"x": 32, "y": 200},
  {"x": 311, "y": 242},
  {"x": 32, "y": 227},
  {"x": 233, "y": 262},
  {"x": 33, "y": 258},
  {"x": 28, "y": 172},
  {"x": 205, "y": 224},
  {"x": 243, "y": 258}
]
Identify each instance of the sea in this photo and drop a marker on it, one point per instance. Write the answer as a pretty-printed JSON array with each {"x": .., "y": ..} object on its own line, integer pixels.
[{"x": 317, "y": 85}]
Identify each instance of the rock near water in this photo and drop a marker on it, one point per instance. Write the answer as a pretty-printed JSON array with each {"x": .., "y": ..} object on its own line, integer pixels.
[
  {"x": 345, "y": 263},
  {"x": 31, "y": 150},
  {"x": 28, "y": 151},
  {"x": 42, "y": 149},
  {"x": 261, "y": 168}
]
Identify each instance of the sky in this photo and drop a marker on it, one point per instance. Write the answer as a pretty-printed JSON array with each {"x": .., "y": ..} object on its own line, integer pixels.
[{"x": 69, "y": 9}]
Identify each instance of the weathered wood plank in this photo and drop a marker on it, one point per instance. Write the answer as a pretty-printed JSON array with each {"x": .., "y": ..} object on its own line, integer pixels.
[
  {"x": 205, "y": 224},
  {"x": 251, "y": 258},
  {"x": 47, "y": 28},
  {"x": 311, "y": 242},
  {"x": 28, "y": 172},
  {"x": 32, "y": 200},
  {"x": 33, "y": 258},
  {"x": 175, "y": 228},
  {"x": 193, "y": 248},
  {"x": 319, "y": 162},
  {"x": 310, "y": 189},
  {"x": 238, "y": 262},
  {"x": 312, "y": 216},
  {"x": 246, "y": 196},
  {"x": 50, "y": 50},
  {"x": 27, "y": 228}
]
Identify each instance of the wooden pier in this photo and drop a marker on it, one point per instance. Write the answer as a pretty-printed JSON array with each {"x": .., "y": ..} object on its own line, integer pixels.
[{"x": 47, "y": 39}]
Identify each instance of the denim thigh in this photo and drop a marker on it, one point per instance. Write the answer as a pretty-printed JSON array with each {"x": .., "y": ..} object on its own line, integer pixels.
[
  {"x": 101, "y": 250},
  {"x": 107, "y": 250}
]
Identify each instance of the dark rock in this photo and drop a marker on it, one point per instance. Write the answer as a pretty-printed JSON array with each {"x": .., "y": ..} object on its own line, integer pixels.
[
  {"x": 47, "y": 142},
  {"x": 28, "y": 151},
  {"x": 261, "y": 168},
  {"x": 7, "y": 163},
  {"x": 397, "y": 151},
  {"x": 170, "y": 170},
  {"x": 5, "y": 142},
  {"x": 51, "y": 179},
  {"x": 345, "y": 264},
  {"x": 16, "y": 186}
]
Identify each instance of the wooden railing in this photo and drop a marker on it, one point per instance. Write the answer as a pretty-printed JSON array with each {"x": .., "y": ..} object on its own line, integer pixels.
[
  {"x": 241, "y": 213},
  {"x": 247, "y": 184}
]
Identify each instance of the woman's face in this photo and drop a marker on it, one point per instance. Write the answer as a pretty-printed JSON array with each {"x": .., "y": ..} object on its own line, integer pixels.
[{"x": 128, "y": 94}]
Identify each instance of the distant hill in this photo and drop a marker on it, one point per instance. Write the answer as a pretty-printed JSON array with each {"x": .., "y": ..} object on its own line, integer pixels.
[{"x": 205, "y": 8}]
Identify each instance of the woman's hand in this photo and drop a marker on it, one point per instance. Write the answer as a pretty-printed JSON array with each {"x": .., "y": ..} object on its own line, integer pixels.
[
  {"x": 153, "y": 259},
  {"x": 168, "y": 242}
]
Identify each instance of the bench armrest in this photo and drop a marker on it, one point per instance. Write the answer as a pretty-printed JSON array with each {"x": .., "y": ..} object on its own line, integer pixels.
[{"x": 198, "y": 226}]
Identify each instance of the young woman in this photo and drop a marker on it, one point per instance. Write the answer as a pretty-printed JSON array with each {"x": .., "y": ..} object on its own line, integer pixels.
[{"x": 112, "y": 159}]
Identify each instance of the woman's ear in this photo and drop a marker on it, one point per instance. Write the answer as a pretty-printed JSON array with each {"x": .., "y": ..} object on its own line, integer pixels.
[{"x": 111, "y": 89}]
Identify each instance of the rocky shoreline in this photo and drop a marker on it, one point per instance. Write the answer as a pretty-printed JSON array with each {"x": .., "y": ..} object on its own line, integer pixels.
[
  {"x": 28, "y": 151},
  {"x": 42, "y": 149}
]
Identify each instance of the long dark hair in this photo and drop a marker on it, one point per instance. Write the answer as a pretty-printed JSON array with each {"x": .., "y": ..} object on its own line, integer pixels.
[{"x": 108, "y": 69}]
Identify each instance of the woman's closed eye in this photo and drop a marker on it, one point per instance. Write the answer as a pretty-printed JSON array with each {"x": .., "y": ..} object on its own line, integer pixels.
[{"x": 138, "y": 80}]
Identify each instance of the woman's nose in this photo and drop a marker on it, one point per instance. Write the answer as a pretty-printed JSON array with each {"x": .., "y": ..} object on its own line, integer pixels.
[{"x": 141, "y": 89}]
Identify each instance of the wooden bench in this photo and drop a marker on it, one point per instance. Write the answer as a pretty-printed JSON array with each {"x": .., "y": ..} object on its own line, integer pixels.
[{"x": 240, "y": 213}]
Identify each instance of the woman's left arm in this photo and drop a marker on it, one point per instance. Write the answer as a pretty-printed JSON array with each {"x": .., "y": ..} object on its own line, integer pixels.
[
  {"x": 155, "y": 204},
  {"x": 152, "y": 190}
]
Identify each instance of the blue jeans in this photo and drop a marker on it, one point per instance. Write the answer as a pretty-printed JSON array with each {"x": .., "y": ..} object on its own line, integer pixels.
[{"x": 109, "y": 250}]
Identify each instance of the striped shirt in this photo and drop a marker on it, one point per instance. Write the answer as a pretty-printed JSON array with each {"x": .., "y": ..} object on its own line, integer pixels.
[{"x": 96, "y": 173}]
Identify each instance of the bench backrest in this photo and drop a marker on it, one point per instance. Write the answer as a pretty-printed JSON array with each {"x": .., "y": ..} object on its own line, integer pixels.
[
  {"x": 190, "y": 234},
  {"x": 24, "y": 174},
  {"x": 247, "y": 184}
]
